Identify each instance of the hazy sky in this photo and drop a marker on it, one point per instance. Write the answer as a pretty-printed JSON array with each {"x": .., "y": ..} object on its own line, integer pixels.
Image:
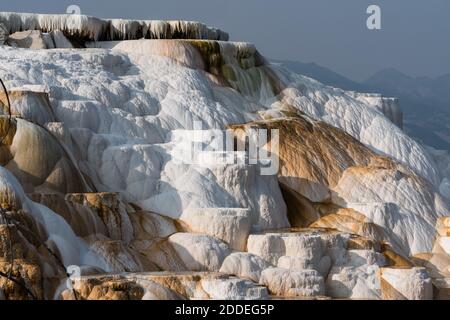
[{"x": 415, "y": 35}]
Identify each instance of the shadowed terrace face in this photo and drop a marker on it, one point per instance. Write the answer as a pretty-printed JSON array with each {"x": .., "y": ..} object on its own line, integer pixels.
[{"x": 331, "y": 33}]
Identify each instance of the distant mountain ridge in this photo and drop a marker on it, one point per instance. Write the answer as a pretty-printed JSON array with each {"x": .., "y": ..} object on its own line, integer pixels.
[
  {"x": 324, "y": 75},
  {"x": 425, "y": 101},
  {"x": 428, "y": 90}
]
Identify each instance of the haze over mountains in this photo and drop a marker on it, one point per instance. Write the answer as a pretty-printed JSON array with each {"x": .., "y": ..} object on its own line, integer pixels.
[{"x": 425, "y": 101}]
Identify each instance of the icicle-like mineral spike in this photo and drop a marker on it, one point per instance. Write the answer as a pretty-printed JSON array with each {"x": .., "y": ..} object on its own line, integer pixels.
[
  {"x": 3, "y": 34},
  {"x": 95, "y": 29}
]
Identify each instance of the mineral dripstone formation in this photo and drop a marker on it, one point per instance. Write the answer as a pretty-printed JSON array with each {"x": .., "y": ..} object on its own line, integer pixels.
[{"x": 94, "y": 174}]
